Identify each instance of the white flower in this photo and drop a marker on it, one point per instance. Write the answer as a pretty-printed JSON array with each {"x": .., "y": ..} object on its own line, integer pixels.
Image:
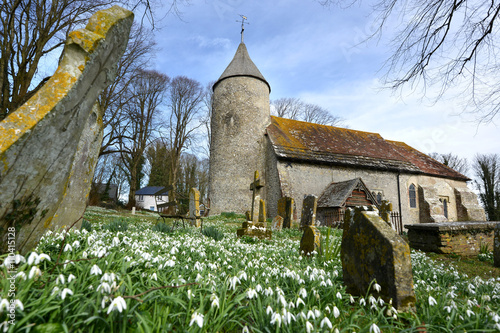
[
  {"x": 251, "y": 293},
  {"x": 300, "y": 301},
  {"x": 245, "y": 330},
  {"x": 76, "y": 244},
  {"x": 60, "y": 279},
  {"x": 4, "y": 304},
  {"x": 118, "y": 303},
  {"x": 269, "y": 309},
  {"x": 448, "y": 308},
  {"x": 95, "y": 270},
  {"x": 303, "y": 292},
  {"x": 432, "y": 301},
  {"x": 71, "y": 277},
  {"x": 19, "y": 305},
  {"x": 326, "y": 322},
  {"x": 309, "y": 327},
  {"x": 21, "y": 275},
  {"x": 276, "y": 318},
  {"x": 336, "y": 312},
  {"x": 310, "y": 314},
  {"x": 35, "y": 271},
  {"x": 196, "y": 318},
  {"x": 154, "y": 277},
  {"x": 104, "y": 287},
  {"x": 268, "y": 291},
  {"x": 374, "y": 328},
  {"x": 258, "y": 288},
  {"x": 32, "y": 258},
  {"x": 215, "y": 300},
  {"x": 351, "y": 299},
  {"x": 339, "y": 295},
  {"x": 470, "y": 313},
  {"x": 362, "y": 301},
  {"x": 68, "y": 248},
  {"x": 42, "y": 257},
  {"x": 65, "y": 292},
  {"x": 377, "y": 287},
  {"x": 55, "y": 290}
]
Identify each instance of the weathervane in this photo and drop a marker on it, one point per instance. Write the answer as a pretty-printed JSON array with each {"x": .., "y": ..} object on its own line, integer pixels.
[{"x": 243, "y": 18}]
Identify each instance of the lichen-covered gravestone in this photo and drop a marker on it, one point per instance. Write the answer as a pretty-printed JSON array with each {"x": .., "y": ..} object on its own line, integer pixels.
[
  {"x": 277, "y": 223},
  {"x": 310, "y": 241},
  {"x": 372, "y": 250},
  {"x": 308, "y": 216},
  {"x": 285, "y": 210},
  {"x": 194, "y": 207},
  {"x": 49, "y": 146}
]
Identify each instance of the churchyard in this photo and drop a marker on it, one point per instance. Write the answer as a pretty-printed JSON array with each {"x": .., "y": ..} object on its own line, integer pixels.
[{"x": 121, "y": 273}]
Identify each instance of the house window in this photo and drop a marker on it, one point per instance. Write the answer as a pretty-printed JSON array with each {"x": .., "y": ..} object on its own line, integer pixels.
[
  {"x": 141, "y": 198},
  {"x": 152, "y": 208},
  {"x": 379, "y": 198},
  {"x": 445, "y": 208},
  {"x": 413, "y": 196}
]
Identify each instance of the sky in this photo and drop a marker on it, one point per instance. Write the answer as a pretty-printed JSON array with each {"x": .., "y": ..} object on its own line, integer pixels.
[{"x": 320, "y": 55}]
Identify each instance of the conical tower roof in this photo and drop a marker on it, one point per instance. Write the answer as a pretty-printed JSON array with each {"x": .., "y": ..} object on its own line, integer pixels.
[{"x": 242, "y": 65}]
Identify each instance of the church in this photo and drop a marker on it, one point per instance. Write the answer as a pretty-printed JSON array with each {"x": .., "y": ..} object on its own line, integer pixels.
[{"x": 342, "y": 167}]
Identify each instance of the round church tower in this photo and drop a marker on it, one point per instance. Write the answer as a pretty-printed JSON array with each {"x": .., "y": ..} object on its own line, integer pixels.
[{"x": 240, "y": 115}]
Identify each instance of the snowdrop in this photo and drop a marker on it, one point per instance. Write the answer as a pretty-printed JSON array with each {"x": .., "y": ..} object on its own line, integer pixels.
[
  {"x": 432, "y": 301},
  {"x": 65, "y": 292},
  {"x": 95, "y": 270},
  {"x": 35, "y": 271},
  {"x": 71, "y": 277},
  {"x": 309, "y": 327},
  {"x": 215, "y": 300},
  {"x": 68, "y": 248},
  {"x": 374, "y": 328},
  {"x": 276, "y": 319},
  {"x": 117, "y": 304},
  {"x": 60, "y": 279},
  {"x": 377, "y": 287},
  {"x": 4, "y": 304},
  {"x": 326, "y": 322},
  {"x": 336, "y": 312},
  {"x": 196, "y": 318}
]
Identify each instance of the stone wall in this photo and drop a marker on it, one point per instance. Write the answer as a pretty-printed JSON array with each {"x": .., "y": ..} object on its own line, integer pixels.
[
  {"x": 238, "y": 145},
  {"x": 464, "y": 238}
]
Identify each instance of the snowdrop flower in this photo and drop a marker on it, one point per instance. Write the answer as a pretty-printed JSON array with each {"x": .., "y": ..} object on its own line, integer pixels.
[
  {"x": 76, "y": 244},
  {"x": 326, "y": 322},
  {"x": 317, "y": 313},
  {"x": 276, "y": 318},
  {"x": 309, "y": 327},
  {"x": 374, "y": 328},
  {"x": 190, "y": 293},
  {"x": 351, "y": 299},
  {"x": 300, "y": 301},
  {"x": 448, "y": 308},
  {"x": 16, "y": 259},
  {"x": 104, "y": 300},
  {"x": 232, "y": 282},
  {"x": 95, "y": 270},
  {"x": 268, "y": 291},
  {"x": 21, "y": 275},
  {"x": 41, "y": 258},
  {"x": 362, "y": 301},
  {"x": 310, "y": 314},
  {"x": 336, "y": 312},
  {"x": 215, "y": 300},
  {"x": 68, "y": 248},
  {"x": 432, "y": 301},
  {"x": 118, "y": 304},
  {"x": 55, "y": 290},
  {"x": 486, "y": 298},
  {"x": 196, "y": 318},
  {"x": 60, "y": 279},
  {"x": 377, "y": 287},
  {"x": 65, "y": 292},
  {"x": 71, "y": 277},
  {"x": 339, "y": 295},
  {"x": 19, "y": 305},
  {"x": 258, "y": 288},
  {"x": 32, "y": 258},
  {"x": 154, "y": 277},
  {"x": 35, "y": 271},
  {"x": 470, "y": 313},
  {"x": 245, "y": 330},
  {"x": 104, "y": 287},
  {"x": 4, "y": 304},
  {"x": 251, "y": 293},
  {"x": 303, "y": 292},
  {"x": 269, "y": 310}
]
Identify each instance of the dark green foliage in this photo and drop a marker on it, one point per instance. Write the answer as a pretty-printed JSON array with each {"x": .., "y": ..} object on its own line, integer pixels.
[
  {"x": 116, "y": 225},
  {"x": 213, "y": 232},
  {"x": 86, "y": 225},
  {"x": 162, "y": 227}
]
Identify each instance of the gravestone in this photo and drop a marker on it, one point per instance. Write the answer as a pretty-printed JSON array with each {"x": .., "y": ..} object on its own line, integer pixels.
[
  {"x": 248, "y": 216},
  {"x": 49, "y": 145},
  {"x": 194, "y": 207},
  {"x": 285, "y": 210},
  {"x": 496, "y": 246},
  {"x": 372, "y": 250},
  {"x": 254, "y": 217},
  {"x": 277, "y": 223},
  {"x": 262, "y": 211},
  {"x": 385, "y": 211},
  {"x": 308, "y": 216},
  {"x": 255, "y": 187}
]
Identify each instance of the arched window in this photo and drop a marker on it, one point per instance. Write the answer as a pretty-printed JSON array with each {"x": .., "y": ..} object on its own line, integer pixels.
[
  {"x": 445, "y": 208},
  {"x": 379, "y": 198},
  {"x": 413, "y": 196}
]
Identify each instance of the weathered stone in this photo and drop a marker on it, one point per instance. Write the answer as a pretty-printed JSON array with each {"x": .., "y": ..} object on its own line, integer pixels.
[
  {"x": 277, "y": 223},
  {"x": 468, "y": 209},
  {"x": 43, "y": 142},
  {"x": 385, "y": 211},
  {"x": 372, "y": 250},
  {"x": 496, "y": 246},
  {"x": 248, "y": 216},
  {"x": 255, "y": 187},
  {"x": 464, "y": 238},
  {"x": 308, "y": 216},
  {"x": 310, "y": 241},
  {"x": 256, "y": 209},
  {"x": 262, "y": 211},
  {"x": 285, "y": 210},
  {"x": 194, "y": 207},
  {"x": 257, "y": 230}
]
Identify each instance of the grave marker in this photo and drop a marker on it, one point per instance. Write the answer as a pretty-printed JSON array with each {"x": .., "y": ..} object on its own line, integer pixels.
[
  {"x": 277, "y": 223},
  {"x": 255, "y": 187},
  {"x": 262, "y": 211},
  {"x": 194, "y": 207},
  {"x": 308, "y": 216},
  {"x": 285, "y": 210}
]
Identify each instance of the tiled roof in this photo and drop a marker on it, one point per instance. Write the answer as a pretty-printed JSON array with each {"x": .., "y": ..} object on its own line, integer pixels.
[
  {"x": 309, "y": 142},
  {"x": 150, "y": 190},
  {"x": 336, "y": 194}
]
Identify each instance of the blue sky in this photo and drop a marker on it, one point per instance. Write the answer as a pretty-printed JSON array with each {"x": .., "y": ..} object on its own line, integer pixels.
[{"x": 317, "y": 54}]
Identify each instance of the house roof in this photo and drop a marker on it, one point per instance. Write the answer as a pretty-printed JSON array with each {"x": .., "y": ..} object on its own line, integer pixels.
[
  {"x": 151, "y": 190},
  {"x": 314, "y": 143},
  {"x": 242, "y": 65},
  {"x": 336, "y": 194}
]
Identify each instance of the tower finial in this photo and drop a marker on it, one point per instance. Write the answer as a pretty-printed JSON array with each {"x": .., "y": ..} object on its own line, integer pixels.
[{"x": 243, "y": 18}]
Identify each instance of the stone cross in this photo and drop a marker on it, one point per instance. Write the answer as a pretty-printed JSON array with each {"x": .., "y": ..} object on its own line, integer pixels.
[
  {"x": 308, "y": 217},
  {"x": 255, "y": 187}
]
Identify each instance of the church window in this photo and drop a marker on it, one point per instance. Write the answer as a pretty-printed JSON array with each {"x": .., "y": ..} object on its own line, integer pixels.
[
  {"x": 413, "y": 196},
  {"x": 379, "y": 198},
  {"x": 445, "y": 208}
]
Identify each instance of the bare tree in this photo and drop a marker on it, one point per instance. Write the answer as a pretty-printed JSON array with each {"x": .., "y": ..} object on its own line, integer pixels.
[
  {"x": 315, "y": 114},
  {"x": 487, "y": 170},
  {"x": 206, "y": 119},
  {"x": 288, "y": 107},
  {"x": 186, "y": 96},
  {"x": 143, "y": 109},
  {"x": 453, "y": 161},
  {"x": 444, "y": 42}
]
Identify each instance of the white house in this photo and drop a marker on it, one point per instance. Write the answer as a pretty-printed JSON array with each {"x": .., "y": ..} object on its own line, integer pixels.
[{"x": 145, "y": 197}]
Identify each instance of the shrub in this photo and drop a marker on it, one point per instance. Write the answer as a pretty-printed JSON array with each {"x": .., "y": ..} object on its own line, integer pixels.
[
  {"x": 86, "y": 225},
  {"x": 213, "y": 232},
  {"x": 116, "y": 225}
]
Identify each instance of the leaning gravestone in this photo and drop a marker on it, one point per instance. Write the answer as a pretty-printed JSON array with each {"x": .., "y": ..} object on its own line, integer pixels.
[
  {"x": 48, "y": 147},
  {"x": 308, "y": 216},
  {"x": 285, "y": 210},
  {"x": 194, "y": 207},
  {"x": 372, "y": 250},
  {"x": 277, "y": 223}
]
